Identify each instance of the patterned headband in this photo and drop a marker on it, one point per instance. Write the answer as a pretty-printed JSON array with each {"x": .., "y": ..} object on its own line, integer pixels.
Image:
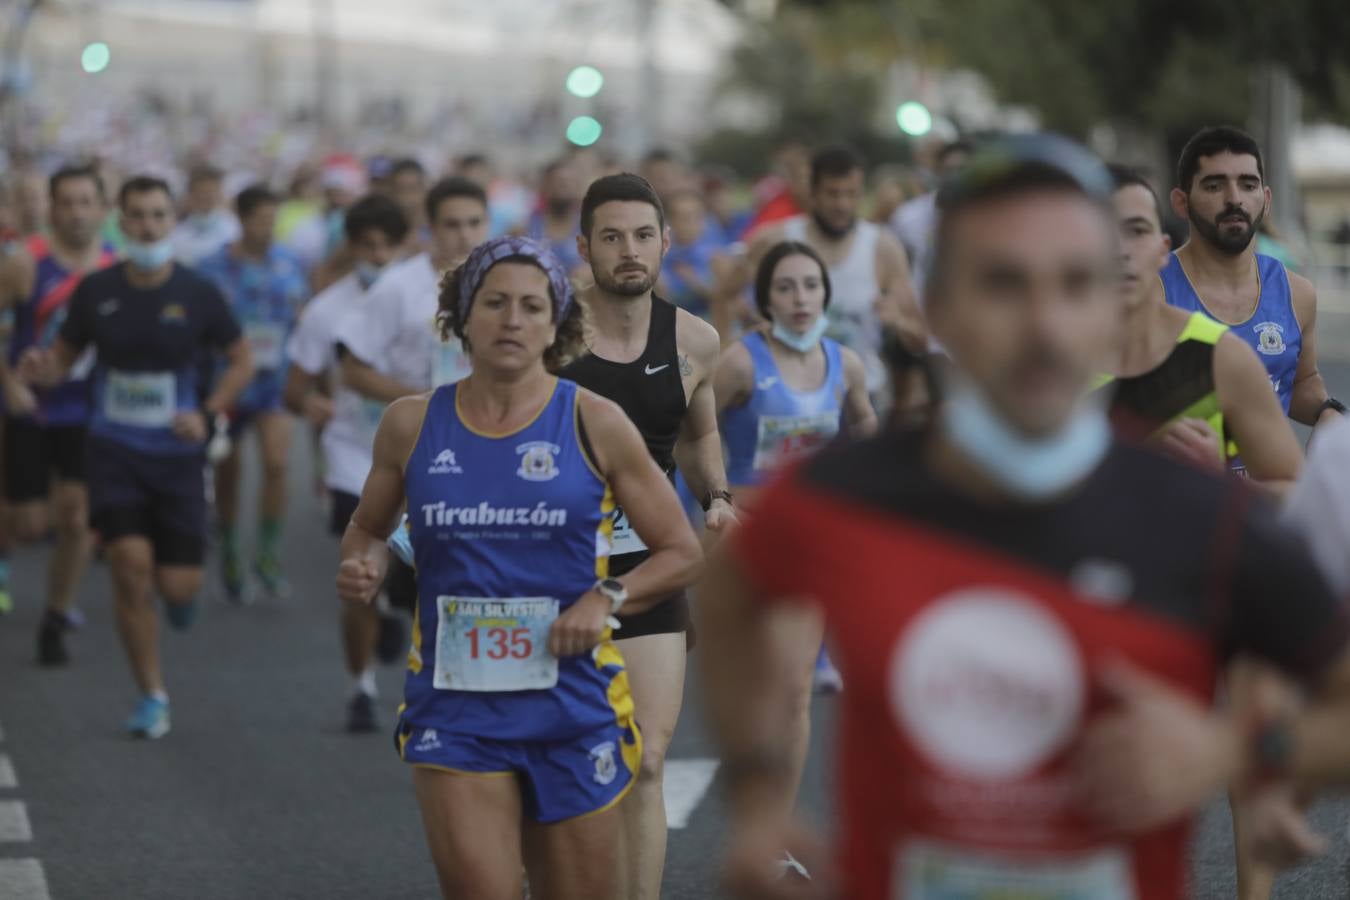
[{"x": 488, "y": 254}]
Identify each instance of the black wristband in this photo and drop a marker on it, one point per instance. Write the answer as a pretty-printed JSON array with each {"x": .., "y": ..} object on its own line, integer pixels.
[
  {"x": 1331, "y": 403},
  {"x": 709, "y": 497}
]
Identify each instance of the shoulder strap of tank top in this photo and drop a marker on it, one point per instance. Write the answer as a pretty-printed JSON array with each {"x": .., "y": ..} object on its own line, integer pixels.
[
  {"x": 1202, "y": 328},
  {"x": 869, "y": 236},
  {"x": 834, "y": 359},
  {"x": 662, "y": 323},
  {"x": 1272, "y": 273},
  {"x": 758, "y": 347}
]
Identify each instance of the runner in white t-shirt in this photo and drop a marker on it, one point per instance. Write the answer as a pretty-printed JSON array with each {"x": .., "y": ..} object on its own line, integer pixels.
[
  {"x": 392, "y": 348},
  {"x": 375, "y": 227},
  {"x": 389, "y": 347}
]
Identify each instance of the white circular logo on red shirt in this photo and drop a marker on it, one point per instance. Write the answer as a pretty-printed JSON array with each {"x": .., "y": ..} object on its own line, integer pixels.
[{"x": 987, "y": 683}]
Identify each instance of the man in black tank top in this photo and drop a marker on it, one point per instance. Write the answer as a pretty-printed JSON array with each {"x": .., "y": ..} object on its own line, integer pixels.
[{"x": 657, "y": 363}]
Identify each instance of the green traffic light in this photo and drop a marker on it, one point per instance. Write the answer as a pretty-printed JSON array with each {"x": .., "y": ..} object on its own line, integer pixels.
[
  {"x": 914, "y": 118},
  {"x": 584, "y": 131},
  {"x": 95, "y": 58},
  {"x": 585, "y": 81}
]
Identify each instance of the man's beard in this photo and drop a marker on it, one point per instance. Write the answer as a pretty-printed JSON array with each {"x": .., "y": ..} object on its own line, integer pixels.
[
  {"x": 833, "y": 232},
  {"x": 1229, "y": 243},
  {"x": 558, "y": 207},
  {"x": 613, "y": 284}
]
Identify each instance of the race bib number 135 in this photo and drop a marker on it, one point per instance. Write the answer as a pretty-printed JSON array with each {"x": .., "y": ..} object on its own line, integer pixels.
[{"x": 495, "y": 645}]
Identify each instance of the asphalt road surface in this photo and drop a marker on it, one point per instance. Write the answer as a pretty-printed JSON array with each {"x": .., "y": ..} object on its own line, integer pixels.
[{"x": 258, "y": 793}]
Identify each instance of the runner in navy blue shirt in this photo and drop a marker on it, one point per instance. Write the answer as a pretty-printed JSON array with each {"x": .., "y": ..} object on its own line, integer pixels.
[{"x": 152, "y": 323}]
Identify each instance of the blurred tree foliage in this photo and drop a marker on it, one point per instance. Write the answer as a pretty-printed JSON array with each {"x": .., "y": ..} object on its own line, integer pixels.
[{"x": 1155, "y": 65}]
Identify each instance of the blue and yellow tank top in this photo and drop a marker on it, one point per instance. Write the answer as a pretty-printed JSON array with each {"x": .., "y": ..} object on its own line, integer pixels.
[
  {"x": 778, "y": 424},
  {"x": 507, "y": 531},
  {"x": 38, "y": 319},
  {"x": 1182, "y": 386},
  {"x": 1272, "y": 330}
]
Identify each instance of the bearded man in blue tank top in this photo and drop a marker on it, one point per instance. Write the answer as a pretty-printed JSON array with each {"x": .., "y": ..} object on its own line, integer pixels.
[
  {"x": 1221, "y": 191},
  {"x": 511, "y": 477}
]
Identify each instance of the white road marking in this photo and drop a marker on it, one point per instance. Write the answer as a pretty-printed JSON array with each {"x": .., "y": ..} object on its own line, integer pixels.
[
  {"x": 7, "y": 777},
  {"x": 14, "y": 821},
  {"x": 23, "y": 879},
  {"x": 686, "y": 781}
]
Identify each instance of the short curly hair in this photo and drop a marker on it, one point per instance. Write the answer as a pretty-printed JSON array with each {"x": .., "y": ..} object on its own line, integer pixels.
[{"x": 567, "y": 344}]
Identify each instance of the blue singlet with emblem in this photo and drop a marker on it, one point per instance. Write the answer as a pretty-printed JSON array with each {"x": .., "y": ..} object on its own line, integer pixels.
[
  {"x": 507, "y": 532},
  {"x": 1272, "y": 330},
  {"x": 778, "y": 424}
]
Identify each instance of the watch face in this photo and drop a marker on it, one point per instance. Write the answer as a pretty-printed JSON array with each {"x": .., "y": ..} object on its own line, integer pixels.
[{"x": 612, "y": 585}]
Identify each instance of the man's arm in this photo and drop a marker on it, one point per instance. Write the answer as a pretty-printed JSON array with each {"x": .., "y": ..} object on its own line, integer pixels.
[
  {"x": 897, "y": 306},
  {"x": 238, "y": 373},
  {"x": 366, "y": 381},
  {"x": 310, "y": 351},
  {"x": 698, "y": 451},
  {"x": 17, "y": 273},
  {"x": 1251, "y": 411},
  {"x": 1309, "y": 391},
  {"x": 860, "y": 419}
]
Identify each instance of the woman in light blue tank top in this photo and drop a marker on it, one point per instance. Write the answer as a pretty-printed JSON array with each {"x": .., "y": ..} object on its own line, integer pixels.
[
  {"x": 784, "y": 392},
  {"x": 781, "y": 394},
  {"x": 517, "y": 703}
]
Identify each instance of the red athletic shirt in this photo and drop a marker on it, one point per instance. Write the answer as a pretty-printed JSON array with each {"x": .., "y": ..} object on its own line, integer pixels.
[{"x": 969, "y": 635}]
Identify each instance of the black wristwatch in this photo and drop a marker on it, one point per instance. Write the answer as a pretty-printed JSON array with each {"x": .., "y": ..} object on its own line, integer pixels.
[
  {"x": 1331, "y": 403},
  {"x": 709, "y": 497}
]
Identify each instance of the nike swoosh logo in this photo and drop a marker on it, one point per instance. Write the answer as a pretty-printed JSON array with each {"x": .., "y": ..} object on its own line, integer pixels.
[
  {"x": 765, "y": 383},
  {"x": 650, "y": 371}
]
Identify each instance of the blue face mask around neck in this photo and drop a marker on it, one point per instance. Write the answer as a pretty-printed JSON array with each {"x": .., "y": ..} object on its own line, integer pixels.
[
  {"x": 802, "y": 342},
  {"x": 1033, "y": 469},
  {"x": 149, "y": 257}
]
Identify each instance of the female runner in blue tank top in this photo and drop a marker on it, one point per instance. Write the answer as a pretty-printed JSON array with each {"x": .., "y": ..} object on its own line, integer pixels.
[
  {"x": 780, "y": 395},
  {"x": 510, "y": 478}
]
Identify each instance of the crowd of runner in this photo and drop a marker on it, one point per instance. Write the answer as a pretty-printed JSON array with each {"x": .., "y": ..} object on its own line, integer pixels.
[{"x": 1024, "y": 466}]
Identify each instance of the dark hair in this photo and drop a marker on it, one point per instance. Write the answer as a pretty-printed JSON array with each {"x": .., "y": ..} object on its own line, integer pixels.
[
  {"x": 73, "y": 173},
  {"x": 204, "y": 172},
  {"x": 375, "y": 212},
  {"x": 449, "y": 188},
  {"x": 405, "y": 164},
  {"x": 624, "y": 187},
  {"x": 834, "y": 162},
  {"x": 567, "y": 344},
  {"x": 253, "y": 197},
  {"x": 472, "y": 159},
  {"x": 957, "y": 196},
  {"x": 777, "y": 253},
  {"x": 1212, "y": 141},
  {"x": 142, "y": 184},
  {"x": 1125, "y": 176},
  {"x": 953, "y": 147}
]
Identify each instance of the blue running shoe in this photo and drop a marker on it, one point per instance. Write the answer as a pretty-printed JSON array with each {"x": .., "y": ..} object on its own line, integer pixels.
[
  {"x": 401, "y": 542},
  {"x": 827, "y": 679},
  {"x": 150, "y": 720}
]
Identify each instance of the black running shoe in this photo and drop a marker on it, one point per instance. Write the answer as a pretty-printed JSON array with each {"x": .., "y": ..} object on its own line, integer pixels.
[
  {"x": 52, "y": 640},
  {"x": 392, "y": 642},
  {"x": 361, "y": 714}
]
